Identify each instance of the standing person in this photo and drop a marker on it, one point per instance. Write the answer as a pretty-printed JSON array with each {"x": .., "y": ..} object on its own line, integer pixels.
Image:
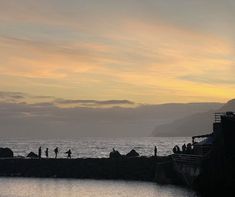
[
  {"x": 56, "y": 151},
  {"x": 155, "y": 151},
  {"x": 47, "y": 152},
  {"x": 189, "y": 148},
  {"x": 69, "y": 152},
  {"x": 184, "y": 148},
  {"x": 40, "y": 152}
]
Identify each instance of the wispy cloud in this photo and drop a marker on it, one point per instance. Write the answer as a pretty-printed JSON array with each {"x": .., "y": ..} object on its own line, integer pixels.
[
  {"x": 19, "y": 97},
  {"x": 95, "y": 103},
  {"x": 12, "y": 96}
]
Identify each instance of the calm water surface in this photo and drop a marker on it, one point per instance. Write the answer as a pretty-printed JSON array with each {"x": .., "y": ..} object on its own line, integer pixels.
[
  {"x": 95, "y": 147},
  {"x": 30, "y": 187}
]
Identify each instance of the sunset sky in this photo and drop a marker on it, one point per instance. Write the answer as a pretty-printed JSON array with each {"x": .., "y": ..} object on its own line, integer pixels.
[{"x": 145, "y": 51}]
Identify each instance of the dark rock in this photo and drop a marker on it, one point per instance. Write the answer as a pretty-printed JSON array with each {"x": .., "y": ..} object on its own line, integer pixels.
[
  {"x": 6, "y": 152},
  {"x": 32, "y": 155},
  {"x": 115, "y": 154},
  {"x": 132, "y": 153}
]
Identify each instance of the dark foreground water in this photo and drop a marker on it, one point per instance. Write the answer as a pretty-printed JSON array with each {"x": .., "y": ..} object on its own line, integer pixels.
[{"x": 30, "y": 187}]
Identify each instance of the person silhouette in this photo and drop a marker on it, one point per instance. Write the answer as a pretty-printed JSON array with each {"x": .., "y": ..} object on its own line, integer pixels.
[
  {"x": 176, "y": 149},
  {"x": 69, "y": 154},
  {"x": 189, "y": 148},
  {"x": 40, "y": 152},
  {"x": 47, "y": 152},
  {"x": 184, "y": 148},
  {"x": 155, "y": 151},
  {"x": 56, "y": 151}
]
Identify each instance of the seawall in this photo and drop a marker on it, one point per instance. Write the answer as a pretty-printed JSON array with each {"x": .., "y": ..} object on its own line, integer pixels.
[{"x": 139, "y": 168}]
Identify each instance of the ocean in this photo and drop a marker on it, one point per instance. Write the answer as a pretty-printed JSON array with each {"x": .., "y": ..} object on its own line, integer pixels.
[
  {"x": 90, "y": 147},
  {"x": 95, "y": 147}
]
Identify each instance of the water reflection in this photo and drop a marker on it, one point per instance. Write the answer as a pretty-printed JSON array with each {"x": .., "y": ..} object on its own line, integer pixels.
[{"x": 31, "y": 187}]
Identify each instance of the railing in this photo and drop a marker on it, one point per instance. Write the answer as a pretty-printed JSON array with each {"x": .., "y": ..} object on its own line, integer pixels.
[
  {"x": 218, "y": 117},
  {"x": 188, "y": 159},
  {"x": 202, "y": 150}
]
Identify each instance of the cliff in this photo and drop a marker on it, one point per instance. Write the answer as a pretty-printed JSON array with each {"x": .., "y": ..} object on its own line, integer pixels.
[{"x": 196, "y": 124}]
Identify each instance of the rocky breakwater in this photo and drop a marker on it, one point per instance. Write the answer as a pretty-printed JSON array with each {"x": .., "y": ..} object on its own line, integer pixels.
[
  {"x": 127, "y": 167},
  {"x": 117, "y": 166},
  {"x": 135, "y": 168}
]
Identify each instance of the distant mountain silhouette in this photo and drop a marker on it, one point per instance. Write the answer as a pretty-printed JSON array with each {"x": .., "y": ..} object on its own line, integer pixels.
[
  {"x": 196, "y": 124},
  {"x": 229, "y": 106},
  {"x": 46, "y": 120}
]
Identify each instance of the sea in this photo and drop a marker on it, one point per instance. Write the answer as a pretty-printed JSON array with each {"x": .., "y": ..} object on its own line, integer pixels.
[{"x": 90, "y": 147}]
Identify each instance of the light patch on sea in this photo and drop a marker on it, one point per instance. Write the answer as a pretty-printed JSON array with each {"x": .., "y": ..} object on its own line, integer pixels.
[
  {"x": 32, "y": 187},
  {"x": 95, "y": 147}
]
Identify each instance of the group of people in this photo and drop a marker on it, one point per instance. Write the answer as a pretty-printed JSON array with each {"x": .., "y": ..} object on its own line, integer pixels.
[
  {"x": 185, "y": 148},
  {"x": 69, "y": 152},
  {"x": 56, "y": 151}
]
